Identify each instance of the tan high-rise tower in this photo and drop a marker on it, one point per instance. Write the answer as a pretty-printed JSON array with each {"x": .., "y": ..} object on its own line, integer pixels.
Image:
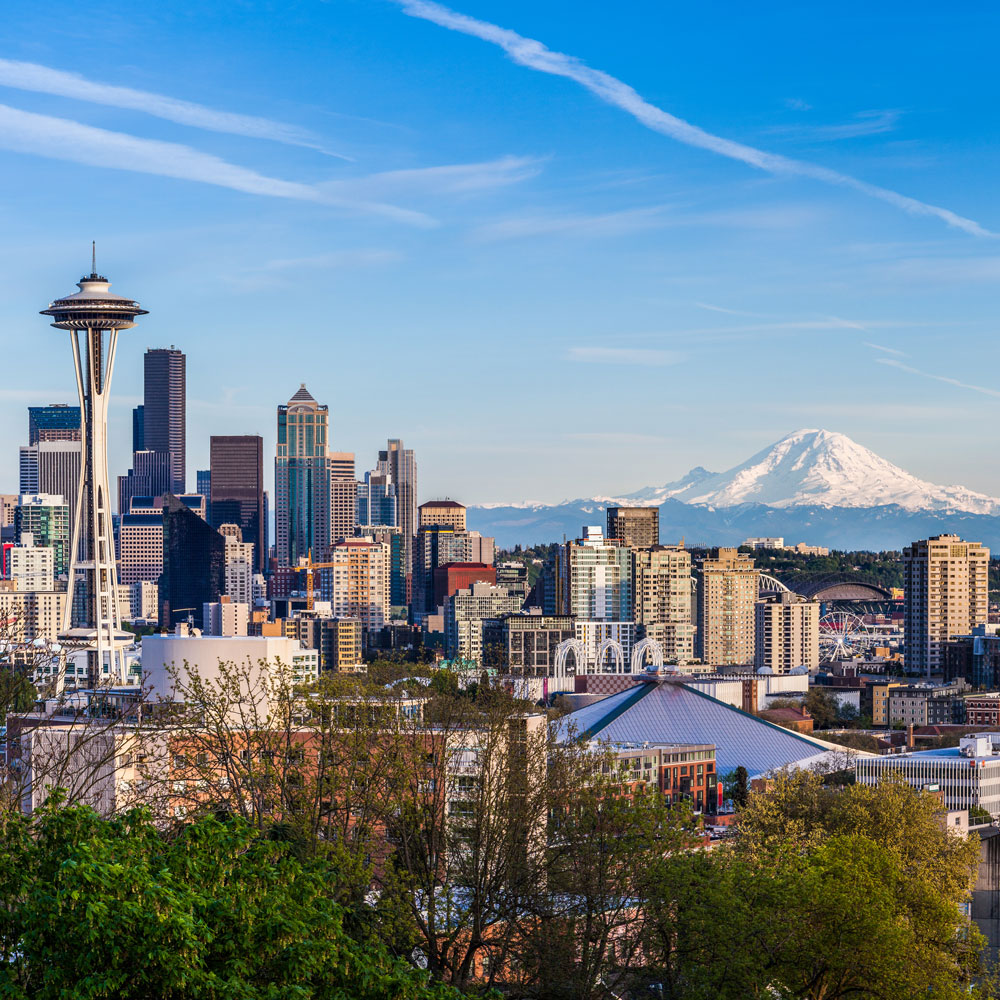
[
  {"x": 727, "y": 594},
  {"x": 786, "y": 633},
  {"x": 946, "y": 586},
  {"x": 445, "y": 512},
  {"x": 662, "y": 596}
]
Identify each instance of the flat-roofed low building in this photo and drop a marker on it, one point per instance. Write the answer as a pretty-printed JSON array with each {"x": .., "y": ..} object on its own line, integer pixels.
[
  {"x": 928, "y": 704},
  {"x": 983, "y": 710},
  {"x": 880, "y": 691},
  {"x": 682, "y": 772},
  {"x": 967, "y": 775}
]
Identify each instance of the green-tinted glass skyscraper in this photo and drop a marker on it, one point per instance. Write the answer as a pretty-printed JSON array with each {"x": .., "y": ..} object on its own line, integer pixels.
[{"x": 302, "y": 480}]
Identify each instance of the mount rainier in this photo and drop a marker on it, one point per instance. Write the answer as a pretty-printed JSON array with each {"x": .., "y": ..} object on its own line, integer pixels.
[{"x": 815, "y": 486}]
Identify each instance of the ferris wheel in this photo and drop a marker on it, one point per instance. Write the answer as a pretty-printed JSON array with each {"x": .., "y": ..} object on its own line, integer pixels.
[{"x": 842, "y": 635}]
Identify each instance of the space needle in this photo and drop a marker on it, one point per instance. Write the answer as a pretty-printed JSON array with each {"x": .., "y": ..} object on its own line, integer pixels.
[{"x": 91, "y": 622}]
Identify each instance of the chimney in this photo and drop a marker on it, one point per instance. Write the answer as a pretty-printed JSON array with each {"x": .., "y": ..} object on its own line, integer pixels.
[{"x": 910, "y": 741}]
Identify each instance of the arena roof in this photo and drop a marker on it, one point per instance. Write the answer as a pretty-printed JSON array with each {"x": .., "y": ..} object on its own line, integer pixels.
[{"x": 670, "y": 712}]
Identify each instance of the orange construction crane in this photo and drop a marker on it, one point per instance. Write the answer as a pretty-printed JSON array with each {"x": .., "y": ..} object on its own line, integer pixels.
[{"x": 309, "y": 567}]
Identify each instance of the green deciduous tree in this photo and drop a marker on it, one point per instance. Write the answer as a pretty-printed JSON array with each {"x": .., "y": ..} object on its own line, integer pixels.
[{"x": 114, "y": 908}]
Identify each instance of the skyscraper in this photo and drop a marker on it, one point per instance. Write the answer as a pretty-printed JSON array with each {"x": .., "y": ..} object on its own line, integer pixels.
[
  {"x": 236, "y": 484},
  {"x": 377, "y": 500},
  {"x": 56, "y": 422},
  {"x": 945, "y": 582},
  {"x": 447, "y": 512},
  {"x": 164, "y": 404},
  {"x": 149, "y": 477},
  {"x": 46, "y": 519},
  {"x": 194, "y": 565},
  {"x": 53, "y": 467},
  {"x": 786, "y": 633},
  {"x": 343, "y": 495},
  {"x": 595, "y": 578},
  {"x": 401, "y": 465},
  {"x": 239, "y": 556},
  {"x": 662, "y": 596},
  {"x": 637, "y": 527},
  {"x": 138, "y": 428},
  {"x": 727, "y": 597},
  {"x": 302, "y": 480}
]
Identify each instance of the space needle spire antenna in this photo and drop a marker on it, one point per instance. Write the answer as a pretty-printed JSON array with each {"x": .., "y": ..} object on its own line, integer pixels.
[{"x": 91, "y": 621}]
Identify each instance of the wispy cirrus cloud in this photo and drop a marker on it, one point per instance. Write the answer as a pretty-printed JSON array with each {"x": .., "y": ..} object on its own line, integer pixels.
[
  {"x": 332, "y": 259},
  {"x": 46, "y": 80},
  {"x": 449, "y": 179},
  {"x": 910, "y": 370},
  {"x": 624, "y": 356},
  {"x": 885, "y": 350},
  {"x": 63, "y": 139},
  {"x": 609, "y": 224},
  {"x": 864, "y": 123},
  {"x": 535, "y": 55},
  {"x": 574, "y": 224}
]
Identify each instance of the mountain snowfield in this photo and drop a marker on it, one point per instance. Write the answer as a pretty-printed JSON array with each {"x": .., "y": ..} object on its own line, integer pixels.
[
  {"x": 816, "y": 485},
  {"x": 823, "y": 468}
]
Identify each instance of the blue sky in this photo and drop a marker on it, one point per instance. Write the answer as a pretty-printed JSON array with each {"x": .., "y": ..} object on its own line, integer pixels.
[{"x": 529, "y": 271}]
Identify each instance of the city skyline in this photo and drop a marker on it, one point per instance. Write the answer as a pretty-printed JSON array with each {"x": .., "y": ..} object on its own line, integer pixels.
[{"x": 639, "y": 272}]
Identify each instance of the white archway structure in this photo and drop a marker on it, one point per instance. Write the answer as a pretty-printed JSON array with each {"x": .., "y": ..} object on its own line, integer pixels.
[
  {"x": 616, "y": 648},
  {"x": 579, "y": 651},
  {"x": 770, "y": 584},
  {"x": 639, "y": 651}
]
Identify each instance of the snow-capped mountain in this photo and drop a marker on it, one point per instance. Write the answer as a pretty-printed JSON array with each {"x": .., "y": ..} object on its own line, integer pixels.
[
  {"x": 812, "y": 485},
  {"x": 818, "y": 468}
]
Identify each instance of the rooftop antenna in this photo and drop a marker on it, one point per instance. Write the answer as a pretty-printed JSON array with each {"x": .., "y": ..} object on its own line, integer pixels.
[{"x": 93, "y": 256}]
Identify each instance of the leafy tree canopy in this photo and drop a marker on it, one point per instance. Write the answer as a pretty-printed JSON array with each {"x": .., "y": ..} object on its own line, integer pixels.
[{"x": 114, "y": 908}]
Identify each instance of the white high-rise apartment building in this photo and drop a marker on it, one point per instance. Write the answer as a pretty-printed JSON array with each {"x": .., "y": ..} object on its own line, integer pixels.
[
  {"x": 786, "y": 634},
  {"x": 946, "y": 585},
  {"x": 32, "y": 567},
  {"x": 239, "y": 565},
  {"x": 594, "y": 578}
]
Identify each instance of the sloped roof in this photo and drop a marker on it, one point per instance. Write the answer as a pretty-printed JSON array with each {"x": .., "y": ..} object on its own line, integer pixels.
[
  {"x": 303, "y": 395},
  {"x": 669, "y": 712}
]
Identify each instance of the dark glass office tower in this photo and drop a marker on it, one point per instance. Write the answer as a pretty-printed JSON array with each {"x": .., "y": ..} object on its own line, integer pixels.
[
  {"x": 237, "y": 489},
  {"x": 138, "y": 428},
  {"x": 194, "y": 564},
  {"x": 57, "y": 422},
  {"x": 164, "y": 409}
]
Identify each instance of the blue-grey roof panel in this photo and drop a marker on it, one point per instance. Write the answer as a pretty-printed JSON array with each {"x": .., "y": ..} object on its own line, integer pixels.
[{"x": 673, "y": 713}]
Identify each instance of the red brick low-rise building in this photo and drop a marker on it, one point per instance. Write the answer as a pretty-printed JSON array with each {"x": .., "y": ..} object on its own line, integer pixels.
[{"x": 983, "y": 711}]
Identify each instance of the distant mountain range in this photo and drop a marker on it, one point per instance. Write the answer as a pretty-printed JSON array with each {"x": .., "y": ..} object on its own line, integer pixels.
[{"x": 814, "y": 486}]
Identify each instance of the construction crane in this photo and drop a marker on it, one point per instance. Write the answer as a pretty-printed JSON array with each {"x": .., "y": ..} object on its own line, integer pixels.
[{"x": 309, "y": 566}]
